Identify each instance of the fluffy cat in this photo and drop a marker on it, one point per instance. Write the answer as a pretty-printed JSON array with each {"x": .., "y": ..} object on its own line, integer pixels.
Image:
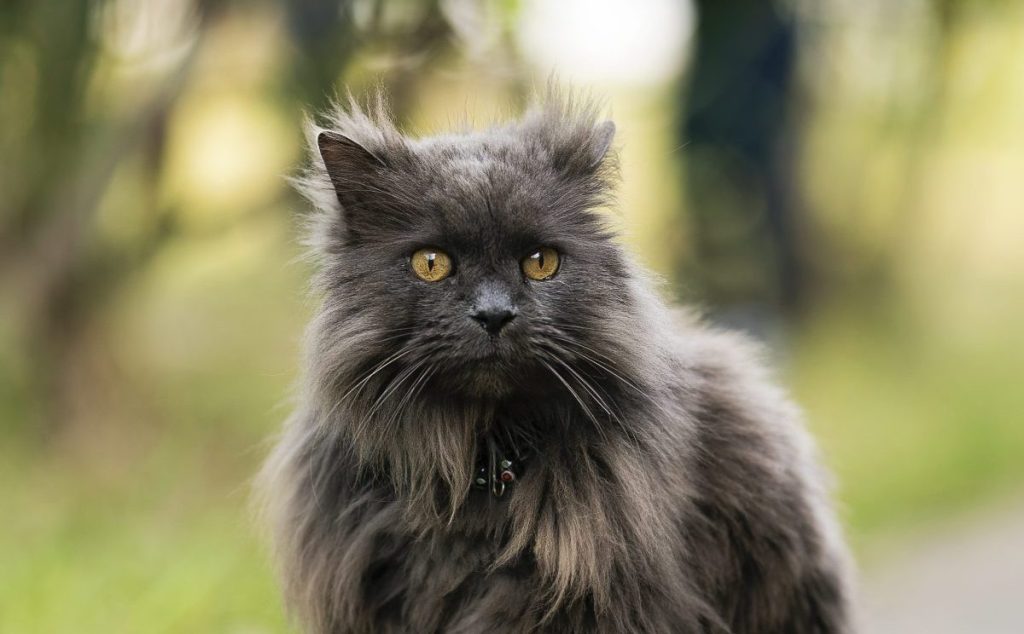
[{"x": 503, "y": 429}]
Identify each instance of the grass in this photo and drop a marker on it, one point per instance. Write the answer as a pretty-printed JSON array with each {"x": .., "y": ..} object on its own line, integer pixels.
[
  {"x": 916, "y": 424},
  {"x": 163, "y": 549}
]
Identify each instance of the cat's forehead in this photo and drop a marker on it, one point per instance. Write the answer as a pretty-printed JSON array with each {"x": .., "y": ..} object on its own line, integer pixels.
[
  {"x": 493, "y": 161},
  {"x": 485, "y": 186}
]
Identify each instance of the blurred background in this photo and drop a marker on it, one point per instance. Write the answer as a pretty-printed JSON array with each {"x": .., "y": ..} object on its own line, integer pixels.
[{"x": 843, "y": 179}]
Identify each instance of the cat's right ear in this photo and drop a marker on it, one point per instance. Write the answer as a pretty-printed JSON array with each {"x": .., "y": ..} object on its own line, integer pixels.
[
  {"x": 370, "y": 181},
  {"x": 351, "y": 167}
]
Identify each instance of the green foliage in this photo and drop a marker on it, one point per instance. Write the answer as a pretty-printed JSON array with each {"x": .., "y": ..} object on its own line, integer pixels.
[{"x": 914, "y": 424}]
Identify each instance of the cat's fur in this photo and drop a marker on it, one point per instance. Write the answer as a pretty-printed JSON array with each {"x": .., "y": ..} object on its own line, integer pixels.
[{"x": 670, "y": 486}]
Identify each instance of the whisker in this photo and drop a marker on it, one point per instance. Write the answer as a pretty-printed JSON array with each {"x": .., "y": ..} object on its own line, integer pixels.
[
  {"x": 395, "y": 384},
  {"x": 391, "y": 359},
  {"x": 583, "y": 406},
  {"x": 323, "y": 428},
  {"x": 577, "y": 348},
  {"x": 597, "y": 392},
  {"x": 410, "y": 394},
  {"x": 589, "y": 388}
]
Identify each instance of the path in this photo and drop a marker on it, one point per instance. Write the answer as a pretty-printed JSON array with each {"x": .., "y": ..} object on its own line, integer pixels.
[{"x": 966, "y": 579}]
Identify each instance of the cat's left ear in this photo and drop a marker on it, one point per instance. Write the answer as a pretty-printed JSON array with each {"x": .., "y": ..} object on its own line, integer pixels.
[{"x": 579, "y": 151}]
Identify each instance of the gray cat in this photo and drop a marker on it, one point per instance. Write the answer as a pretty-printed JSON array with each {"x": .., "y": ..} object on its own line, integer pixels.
[{"x": 503, "y": 429}]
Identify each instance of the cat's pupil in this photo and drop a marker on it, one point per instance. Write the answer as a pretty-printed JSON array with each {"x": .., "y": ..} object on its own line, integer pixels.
[
  {"x": 540, "y": 259},
  {"x": 430, "y": 261}
]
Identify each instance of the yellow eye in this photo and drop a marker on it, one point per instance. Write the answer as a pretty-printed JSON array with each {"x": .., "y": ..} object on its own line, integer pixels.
[
  {"x": 431, "y": 265},
  {"x": 541, "y": 265}
]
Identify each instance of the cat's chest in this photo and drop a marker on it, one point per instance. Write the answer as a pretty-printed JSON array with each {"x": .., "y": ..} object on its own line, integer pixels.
[{"x": 427, "y": 583}]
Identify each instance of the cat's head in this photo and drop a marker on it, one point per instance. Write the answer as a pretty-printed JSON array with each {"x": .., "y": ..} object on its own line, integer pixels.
[{"x": 476, "y": 263}]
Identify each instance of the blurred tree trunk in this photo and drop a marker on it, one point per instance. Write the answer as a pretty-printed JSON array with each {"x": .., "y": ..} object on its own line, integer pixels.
[
  {"x": 62, "y": 170},
  {"x": 327, "y": 38},
  {"x": 738, "y": 130},
  {"x": 56, "y": 173}
]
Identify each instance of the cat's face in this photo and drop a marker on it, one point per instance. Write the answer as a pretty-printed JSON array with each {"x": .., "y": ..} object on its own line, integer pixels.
[{"x": 479, "y": 260}]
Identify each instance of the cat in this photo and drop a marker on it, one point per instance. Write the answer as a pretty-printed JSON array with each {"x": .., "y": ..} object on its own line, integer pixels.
[{"x": 502, "y": 428}]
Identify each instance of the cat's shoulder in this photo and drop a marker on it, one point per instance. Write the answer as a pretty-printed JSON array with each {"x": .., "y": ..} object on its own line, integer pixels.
[
  {"x": 716, "y": 352},
  {"x": 731, "y": 386}
]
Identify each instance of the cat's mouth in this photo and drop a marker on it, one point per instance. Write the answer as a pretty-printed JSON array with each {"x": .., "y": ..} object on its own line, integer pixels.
[
  {"x": 501, "y": 373},
  {"x": 490, "y": 358},
  {"x": 492, "y": 350}
]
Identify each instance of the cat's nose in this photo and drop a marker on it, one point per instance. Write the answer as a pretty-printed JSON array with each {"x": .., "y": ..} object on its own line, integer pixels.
[{"x": 493, "y": 319}]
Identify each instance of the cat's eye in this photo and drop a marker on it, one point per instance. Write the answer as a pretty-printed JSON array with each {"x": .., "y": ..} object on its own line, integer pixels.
[
  {"x": 431, "y": 265},
  {"x": 540, "y": 265}
]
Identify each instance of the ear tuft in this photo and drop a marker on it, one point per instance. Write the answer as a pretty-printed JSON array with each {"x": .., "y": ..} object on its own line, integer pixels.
[
  {"x": 604, "y": 134},
  {"x": 358, "y": 172},
  {"x": 568, "y": 126}
]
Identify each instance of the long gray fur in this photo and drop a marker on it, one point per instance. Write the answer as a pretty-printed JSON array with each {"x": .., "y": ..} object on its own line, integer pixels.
[{"x": 670, "y": 488}]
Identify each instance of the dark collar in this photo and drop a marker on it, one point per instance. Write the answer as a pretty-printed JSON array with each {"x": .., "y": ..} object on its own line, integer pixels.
[{"x": 497, "y": 467}]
